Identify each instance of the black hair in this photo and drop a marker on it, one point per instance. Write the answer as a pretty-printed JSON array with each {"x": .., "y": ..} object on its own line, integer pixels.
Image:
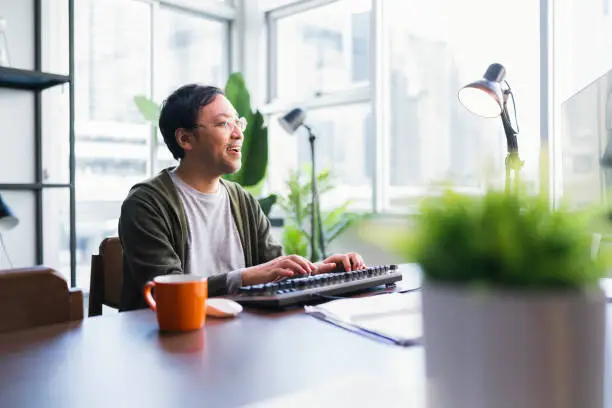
[{"x": 181, "y": 109}]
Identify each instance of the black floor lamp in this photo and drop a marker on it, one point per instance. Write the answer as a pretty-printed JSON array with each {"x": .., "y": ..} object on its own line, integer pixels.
[
  {"x": 291, "y": 122},
  {"x": 486, "y": 97}
]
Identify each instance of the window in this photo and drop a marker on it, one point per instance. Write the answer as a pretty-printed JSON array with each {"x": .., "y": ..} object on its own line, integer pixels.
[
  {"x": 191, "y": 49},
  {"x": 112, "y": 50},
  {"x": 583, "y": 78},
  {"x": 114, "y": 62},
  {"x": 321, "y": 60},
  {"x": 322, "y": 50},
  {"x": 343, "y": 145},
  {"x": 117, "y": 59},
  {"x": 435, "y": 48}
]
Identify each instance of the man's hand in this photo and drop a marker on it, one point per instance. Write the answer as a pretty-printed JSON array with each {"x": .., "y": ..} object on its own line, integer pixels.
[
  {"x": 277, "y": 269},
  {"x": 348, "y": 262}
]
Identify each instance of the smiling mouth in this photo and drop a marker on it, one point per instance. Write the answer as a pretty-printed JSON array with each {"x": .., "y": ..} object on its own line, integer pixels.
[{"x": 235, "y": 149}]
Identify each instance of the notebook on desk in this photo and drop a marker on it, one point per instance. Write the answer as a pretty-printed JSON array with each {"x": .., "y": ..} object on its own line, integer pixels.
[{"x": 392, "y": 317}]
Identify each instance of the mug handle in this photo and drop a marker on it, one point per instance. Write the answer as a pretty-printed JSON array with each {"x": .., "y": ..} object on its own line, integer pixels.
[{"x": 148, "y": 297}]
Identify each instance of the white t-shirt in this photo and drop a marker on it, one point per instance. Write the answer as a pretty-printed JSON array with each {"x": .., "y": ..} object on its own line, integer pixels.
[{"x": 214, "y": 242}]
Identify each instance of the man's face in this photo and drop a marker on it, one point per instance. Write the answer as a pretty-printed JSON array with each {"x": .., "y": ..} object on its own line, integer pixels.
[{"x": 216, "y": 141}]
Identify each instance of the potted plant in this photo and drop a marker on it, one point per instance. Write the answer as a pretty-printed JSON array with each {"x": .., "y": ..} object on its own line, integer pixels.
[
  {"x": 513, "y": 313},
  {"x": 298, "y": 213}
]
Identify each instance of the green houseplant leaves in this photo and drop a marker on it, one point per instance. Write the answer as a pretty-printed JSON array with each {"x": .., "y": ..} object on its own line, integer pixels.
[
  {"x": 255, "y": 145},
  {"x": 296, "y": 205},
  {"x": 509, "y": 240}
]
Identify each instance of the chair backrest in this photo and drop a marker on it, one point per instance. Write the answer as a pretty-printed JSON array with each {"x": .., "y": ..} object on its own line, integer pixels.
[
  {"x": 106, "y": 276},
  {"x": 36, "y": 296}
]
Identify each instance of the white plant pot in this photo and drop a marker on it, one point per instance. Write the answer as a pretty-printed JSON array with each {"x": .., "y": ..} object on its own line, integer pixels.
[{"x": 513, "y": 349}]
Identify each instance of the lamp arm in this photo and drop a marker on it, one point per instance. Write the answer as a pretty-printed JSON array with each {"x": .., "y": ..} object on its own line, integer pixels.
[
  {"x": 513, "y": 161},
  {"x": 508, "y": 129},
  {"x": 511, "y": 139}
]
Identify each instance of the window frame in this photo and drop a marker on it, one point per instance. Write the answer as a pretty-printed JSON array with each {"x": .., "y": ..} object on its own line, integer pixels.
[{"x": 358, "y": 94}]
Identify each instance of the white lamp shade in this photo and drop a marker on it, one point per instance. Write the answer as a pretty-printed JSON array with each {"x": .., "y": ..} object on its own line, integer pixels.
[{"x": 482, "y": 99}]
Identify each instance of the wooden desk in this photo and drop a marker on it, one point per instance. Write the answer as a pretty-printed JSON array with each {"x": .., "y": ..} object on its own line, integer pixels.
[
  {"x": 258, "y": 358},
  {"x": 123, "y": 360}
]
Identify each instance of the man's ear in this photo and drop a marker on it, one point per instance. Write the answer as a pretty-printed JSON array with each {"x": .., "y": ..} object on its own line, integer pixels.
[{"x": 184, "y": 138}]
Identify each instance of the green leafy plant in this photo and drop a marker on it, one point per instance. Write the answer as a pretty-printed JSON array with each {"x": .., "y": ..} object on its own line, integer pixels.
[
  {"x": 296, "y": 205},
  {"x": 503, "y": 240},
  {"x": 255, "y": 144}
]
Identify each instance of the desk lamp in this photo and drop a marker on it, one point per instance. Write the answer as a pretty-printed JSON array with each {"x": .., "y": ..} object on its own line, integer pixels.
[
  {"x": 7, "y": 221},
  {"x": 291, "y": 122},
  {"x": 486, "y": 97}
]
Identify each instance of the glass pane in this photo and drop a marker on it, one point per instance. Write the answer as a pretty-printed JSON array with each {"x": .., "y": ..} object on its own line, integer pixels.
[
  {"x": 110, "y": 160},
  {"x": 20, "y": 241},
  {"x": 586, "y": 128},
  {"x": 190, "y": 49},
  {"x": 584, "y": 83},
  {"x": 350, "y": 159},
  {"x": 55, "y": 135},
  {"x": 56, "y": 231},
  {"x": 112, "y": 53},
  {"x": 323, "y": 50},
  {"x": 435, "y": 49},
  {"x": 16, "y": 137}
]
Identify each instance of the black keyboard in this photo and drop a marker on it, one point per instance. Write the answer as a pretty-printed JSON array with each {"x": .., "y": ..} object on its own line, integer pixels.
[{"x": 302, "y": 290}]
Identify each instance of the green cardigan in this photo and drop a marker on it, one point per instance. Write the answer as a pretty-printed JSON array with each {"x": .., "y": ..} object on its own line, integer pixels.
[{"x": 154, "y": 234}]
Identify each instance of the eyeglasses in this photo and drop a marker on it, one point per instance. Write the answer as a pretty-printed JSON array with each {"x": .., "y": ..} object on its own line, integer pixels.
[{"x": 229, "y": 124}]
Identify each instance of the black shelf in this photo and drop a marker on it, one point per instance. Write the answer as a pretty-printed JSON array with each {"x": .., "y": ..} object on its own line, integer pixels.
[
  {"x": 32, "y": 186},
  {"x": 29, "y": 80}
]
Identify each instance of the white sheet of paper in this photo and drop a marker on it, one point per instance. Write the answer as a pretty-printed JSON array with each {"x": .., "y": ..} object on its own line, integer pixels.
[{"x": 395, "y": 315}]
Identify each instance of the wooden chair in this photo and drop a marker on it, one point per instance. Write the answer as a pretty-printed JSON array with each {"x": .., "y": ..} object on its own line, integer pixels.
[
  {"x": 36, "y": 296},
  {"x": 106, "y": 276}
]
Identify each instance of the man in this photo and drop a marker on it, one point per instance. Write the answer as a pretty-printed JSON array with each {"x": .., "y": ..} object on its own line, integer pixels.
[{"x": 188, "y": 220}]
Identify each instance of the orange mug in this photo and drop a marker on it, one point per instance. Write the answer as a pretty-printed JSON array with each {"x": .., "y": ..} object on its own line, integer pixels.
[{"x": 179, "y": 301}]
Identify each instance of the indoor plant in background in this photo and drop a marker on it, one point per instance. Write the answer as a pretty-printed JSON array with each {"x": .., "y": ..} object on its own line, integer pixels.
[
  {"x": 297, "y": 211},
  {"x": 513, "y": 313},
  {"x": 254, "y": 148}
]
